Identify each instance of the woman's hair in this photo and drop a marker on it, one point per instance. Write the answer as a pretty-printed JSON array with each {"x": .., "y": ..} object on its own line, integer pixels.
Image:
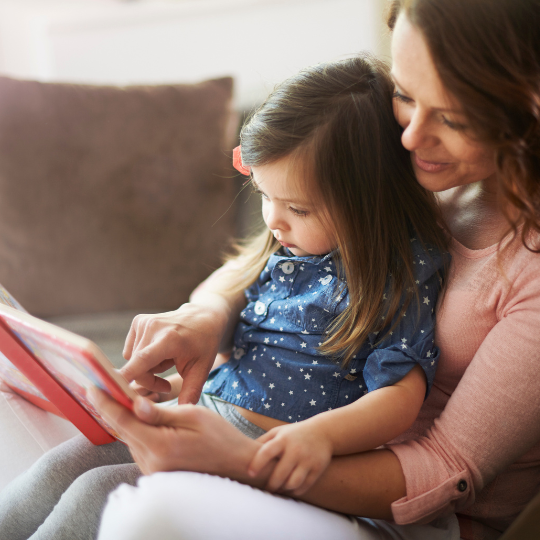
[
  {"x": 487, "y": 54},
  {"x": 336, "y": 121}
]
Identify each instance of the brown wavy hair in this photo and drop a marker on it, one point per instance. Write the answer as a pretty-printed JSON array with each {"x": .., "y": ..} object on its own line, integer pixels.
[
  {"x": 336, "y": 121},
  {"x": 487, "y": 54}
]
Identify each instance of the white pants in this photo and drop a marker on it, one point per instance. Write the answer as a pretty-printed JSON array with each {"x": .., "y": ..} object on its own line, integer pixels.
[
  {"x": 26, "y": 433},
  {"x": 194, "y": 506}
]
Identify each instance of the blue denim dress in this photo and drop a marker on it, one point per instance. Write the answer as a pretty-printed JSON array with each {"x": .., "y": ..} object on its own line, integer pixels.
[{"x": 275, "y": 367}]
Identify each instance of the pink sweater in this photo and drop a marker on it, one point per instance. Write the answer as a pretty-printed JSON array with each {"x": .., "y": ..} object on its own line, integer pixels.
[{"x": 475, "y": 446}]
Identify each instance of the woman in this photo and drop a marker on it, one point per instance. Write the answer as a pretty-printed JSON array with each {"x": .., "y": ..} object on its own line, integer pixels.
[
  {"x": 472, "y": 129},
  {"x": 467, "y": 77}
]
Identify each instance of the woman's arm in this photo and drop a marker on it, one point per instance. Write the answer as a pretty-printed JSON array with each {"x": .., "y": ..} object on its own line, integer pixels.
[
  {"x": 193, "y": 438},
  {"x": 491, "y": 422},
  {"x": 304, "y": 449},
  {"x": 188, "y": 338}
]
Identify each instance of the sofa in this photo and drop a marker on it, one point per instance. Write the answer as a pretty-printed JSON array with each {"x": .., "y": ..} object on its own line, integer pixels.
[{"x": 114, "y": 200}]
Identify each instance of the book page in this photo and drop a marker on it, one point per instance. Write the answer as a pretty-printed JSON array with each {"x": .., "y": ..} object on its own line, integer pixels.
[
  {"x": 8, "y": 300},
  {"x": 8, "y": 372},
  {"x": 14, "y": 378},
  {"x": 72, "y": 361}
]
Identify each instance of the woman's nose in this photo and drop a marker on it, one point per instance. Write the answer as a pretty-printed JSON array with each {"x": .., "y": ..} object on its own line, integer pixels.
[{"x": 417, "y": 132}]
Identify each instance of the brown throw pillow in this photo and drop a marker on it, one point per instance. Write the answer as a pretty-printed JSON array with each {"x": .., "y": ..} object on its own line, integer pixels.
[{"x": 113, "y": 198}]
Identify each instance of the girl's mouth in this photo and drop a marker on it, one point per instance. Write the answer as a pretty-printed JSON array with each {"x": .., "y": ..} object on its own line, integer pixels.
[
  {"x": 430, "y": 166},
  {"x": 284, "y": 244}
]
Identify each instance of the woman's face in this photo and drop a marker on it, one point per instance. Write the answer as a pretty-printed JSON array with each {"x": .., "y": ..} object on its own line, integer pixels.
[{"x": 435, "y": 131}]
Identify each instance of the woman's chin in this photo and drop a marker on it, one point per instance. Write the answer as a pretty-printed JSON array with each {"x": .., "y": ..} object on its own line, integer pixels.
[{"x": 437, "y": 181}]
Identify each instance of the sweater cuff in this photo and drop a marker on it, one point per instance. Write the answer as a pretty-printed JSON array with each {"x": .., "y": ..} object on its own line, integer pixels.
[{"x": 432, "y": 490}]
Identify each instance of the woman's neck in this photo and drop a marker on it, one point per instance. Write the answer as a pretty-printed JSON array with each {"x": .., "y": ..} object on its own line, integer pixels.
[{"x": 473, "y": 215}]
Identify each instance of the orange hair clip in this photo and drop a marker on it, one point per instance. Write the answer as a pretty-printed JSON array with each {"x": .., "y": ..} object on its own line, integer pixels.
[{"x": 237, "y": 162}]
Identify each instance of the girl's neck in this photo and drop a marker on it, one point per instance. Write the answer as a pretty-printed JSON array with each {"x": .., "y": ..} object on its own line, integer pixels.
[{"x": 472, "y": 214}]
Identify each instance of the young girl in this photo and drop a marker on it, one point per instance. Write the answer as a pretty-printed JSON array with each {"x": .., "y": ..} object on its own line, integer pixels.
[
  {"x": 336, "y": 339},
  {"x": 338, "y": 330}
]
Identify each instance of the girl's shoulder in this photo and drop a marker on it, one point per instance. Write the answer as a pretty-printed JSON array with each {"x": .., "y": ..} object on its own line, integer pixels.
[{"x": 427, "y": 259}]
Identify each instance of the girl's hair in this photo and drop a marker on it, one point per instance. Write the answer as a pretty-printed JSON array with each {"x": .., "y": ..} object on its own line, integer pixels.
[
  {"x": 336, "y": 121},
  {"x": 487, "y": 54}
]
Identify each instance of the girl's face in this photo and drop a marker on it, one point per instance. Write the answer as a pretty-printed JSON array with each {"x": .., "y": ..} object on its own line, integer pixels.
[
  {"x": 289, "y": 214},
  {"x": 435, "y": 131}
]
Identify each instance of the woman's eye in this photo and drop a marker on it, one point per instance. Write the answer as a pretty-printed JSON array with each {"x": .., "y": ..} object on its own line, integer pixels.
[
  {"x": 453, "y": 125},
  {"x": 296, "y": 212},
  {"x": 401, "y": 97}
]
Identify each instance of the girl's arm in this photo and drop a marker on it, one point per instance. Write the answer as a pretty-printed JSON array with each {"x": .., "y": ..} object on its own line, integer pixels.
[
  {"x": 188, "y": 338},
  {"x": 304, "y": 449}
]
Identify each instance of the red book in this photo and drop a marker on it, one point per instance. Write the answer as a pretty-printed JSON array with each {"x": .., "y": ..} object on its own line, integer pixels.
[{"x": 53, "y": 368}]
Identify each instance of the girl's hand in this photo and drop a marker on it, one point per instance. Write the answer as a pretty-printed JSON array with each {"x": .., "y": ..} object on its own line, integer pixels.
[{"x": 304, "y": 452}]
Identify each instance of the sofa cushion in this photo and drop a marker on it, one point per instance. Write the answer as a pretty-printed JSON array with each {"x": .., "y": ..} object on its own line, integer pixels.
[{"x": 113, "y": 199}]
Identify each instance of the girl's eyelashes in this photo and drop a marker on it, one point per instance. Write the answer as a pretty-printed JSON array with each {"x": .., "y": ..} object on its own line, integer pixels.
[
  {"x": 297, "y": 212},
  {"x": 256, "y": 190}
]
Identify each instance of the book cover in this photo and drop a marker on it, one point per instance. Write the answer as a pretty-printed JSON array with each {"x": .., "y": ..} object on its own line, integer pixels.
[{"x": 53, "y": 368}]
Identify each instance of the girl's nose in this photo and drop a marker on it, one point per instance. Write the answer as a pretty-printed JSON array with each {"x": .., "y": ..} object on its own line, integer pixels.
[{"x": 273, "y": 218}]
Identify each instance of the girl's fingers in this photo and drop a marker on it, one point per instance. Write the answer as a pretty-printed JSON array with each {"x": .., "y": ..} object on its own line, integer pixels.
[
  {"x": 268, "y": 436},
  {"x": 265, "y": 454},
  {"x": 297, "y": 477},
  {"x": 281, "y": 473},
  {"x": 311, "y": 478}
]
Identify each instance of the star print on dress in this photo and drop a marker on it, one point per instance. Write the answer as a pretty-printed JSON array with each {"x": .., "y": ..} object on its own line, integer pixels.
[{"x": 281, "y": 360}]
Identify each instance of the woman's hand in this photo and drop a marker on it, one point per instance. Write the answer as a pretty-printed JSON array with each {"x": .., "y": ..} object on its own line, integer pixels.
[
  {"x": 304, "y": 453},
  {"x": 176, "y": 386},
  {"x": 188, "y": 339},
  {"x": 186, "y": 437},
  {"x": 190, "y": 438}
]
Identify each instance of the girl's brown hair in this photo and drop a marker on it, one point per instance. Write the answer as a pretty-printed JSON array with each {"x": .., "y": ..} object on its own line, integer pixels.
[
  {"x": 336, "y": 119},
  {"x": 487, "y": 54}
]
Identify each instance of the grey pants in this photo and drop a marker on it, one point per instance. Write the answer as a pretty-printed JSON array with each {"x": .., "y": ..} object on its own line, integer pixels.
[{"x": 62, "y": 496}]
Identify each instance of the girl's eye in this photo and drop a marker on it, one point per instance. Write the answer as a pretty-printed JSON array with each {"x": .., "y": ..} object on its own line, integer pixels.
[
  {"x": 453, "y": 125},
  {"x": 296, "y": 212},
  {"x": 255, "y": 189},
  {"x": 401, "y": 97}
]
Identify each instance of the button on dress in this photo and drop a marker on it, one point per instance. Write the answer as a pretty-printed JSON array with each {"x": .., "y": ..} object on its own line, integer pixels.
[{"x": 276, "y": 368}]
